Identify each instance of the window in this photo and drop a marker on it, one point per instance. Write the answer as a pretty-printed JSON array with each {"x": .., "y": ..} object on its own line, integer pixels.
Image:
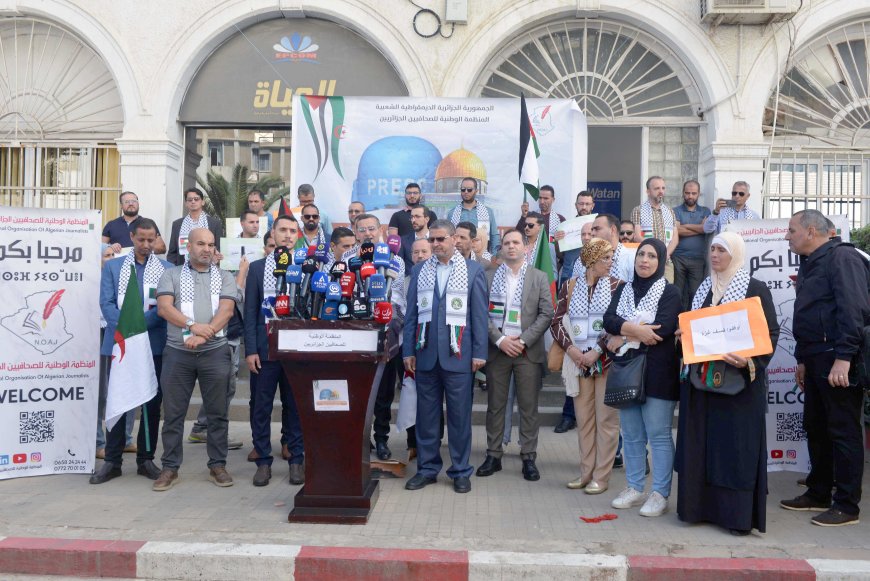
[
  {"x": 215, "y": 154},
  {"x": 261, "y": 160},
  {"x": 673, "y": 154}
]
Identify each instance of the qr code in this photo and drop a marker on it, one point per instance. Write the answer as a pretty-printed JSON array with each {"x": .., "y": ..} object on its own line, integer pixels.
[
  {"x": 790, "y": 427},
  {"x": 36, "y": 427}
]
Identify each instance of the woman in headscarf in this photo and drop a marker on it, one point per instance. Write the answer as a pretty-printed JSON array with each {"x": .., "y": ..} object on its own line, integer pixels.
[
  {"x": 585, "y": 365},
  {"x": 721, "y": 442},
  {"x": 645, "y": 312}
]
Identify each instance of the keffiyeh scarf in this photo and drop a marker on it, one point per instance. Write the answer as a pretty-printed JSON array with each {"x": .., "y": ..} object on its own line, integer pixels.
[
  {"x": 645, "y": 310},
  {"x": 736, "y": 290},
  {"x": 646, "y": 221},
  {"x": 506, "y": 316},
  {"x": 153, "y": 271},
  {"x": 188, "y": 224},
  {"x": 580, "y": 270},
  {"x": 456, "y": 297},
  {"x": 582, "y": 311},
  {"x": 482, "y": 214},
  {"x": 188, "y": 290}
]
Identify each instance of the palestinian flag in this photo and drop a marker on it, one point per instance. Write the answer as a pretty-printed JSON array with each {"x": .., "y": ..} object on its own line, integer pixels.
[
  {"x": 284, "y": 208},
  {"x": 529, "y": 152},
  {"x": 132, "y": 380},
  {"x": 324, "y": 118},
  {"x": 543, "y": 261}
]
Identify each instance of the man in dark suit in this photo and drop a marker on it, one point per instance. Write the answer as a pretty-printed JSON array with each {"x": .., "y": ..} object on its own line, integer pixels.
[
  {"x": 516, "y": 347},
  {"x": 267, "y": 375},
  {"x": 420, "y": 225},
  {"x": 149, "y": 269},
  {"x": 195, "y": 218},
  {"x": 444, "y": 344}
]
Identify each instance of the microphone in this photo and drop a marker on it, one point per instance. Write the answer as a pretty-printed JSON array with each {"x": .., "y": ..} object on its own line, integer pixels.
[
  {"x": 383, "y": 312},
  {"x": 365, "y": 272},
  {"x": 377, "y": 288},
  {"x": 354, "y": 265},
  {"x": 367, "y": 251},
  {"x": 345, "y": 309},
  {"x": 294, "y": 277},
  {"x": 268, "y": 309},
  {"x": 395, "y": 244},
  {"x": 309, "y": 267},
  {"x": 319, "y": 284},
  {"x": 330, "y": 311},
  {"x": 299, "y": 255},
  {"x": 338, "y": 269},
  {"x": 392, "y": 274},
  {"x": 382, "y": 257},
  {"x": 347, "y": 283},
  {"x": 282, "y": 261},
  {"x": 333, "y": 292},
  {"x": 309, "y": 252},
  {"x": 321, "y": 255}
]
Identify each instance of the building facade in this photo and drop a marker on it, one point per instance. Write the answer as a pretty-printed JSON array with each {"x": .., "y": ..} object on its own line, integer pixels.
[{"x": 96, "y": 98}]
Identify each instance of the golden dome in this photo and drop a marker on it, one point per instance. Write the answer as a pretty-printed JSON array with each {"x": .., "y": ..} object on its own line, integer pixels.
[{"x": 460, "y": 164}]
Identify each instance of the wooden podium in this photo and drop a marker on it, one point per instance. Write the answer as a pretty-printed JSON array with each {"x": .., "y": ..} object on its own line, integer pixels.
[{"x": 332, "y": 367}]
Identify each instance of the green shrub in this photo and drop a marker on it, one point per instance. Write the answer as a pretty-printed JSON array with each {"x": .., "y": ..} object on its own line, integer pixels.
[{"x": 860, "y": 237}]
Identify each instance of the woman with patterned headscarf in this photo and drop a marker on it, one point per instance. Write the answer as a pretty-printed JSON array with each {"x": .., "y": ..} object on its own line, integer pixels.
[
  {"x": 578, "y": 328},
  {"x": 721, "y": 442}
]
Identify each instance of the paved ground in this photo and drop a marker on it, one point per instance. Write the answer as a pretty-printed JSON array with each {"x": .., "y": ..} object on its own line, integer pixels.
[{"x": 502, "y": 513}]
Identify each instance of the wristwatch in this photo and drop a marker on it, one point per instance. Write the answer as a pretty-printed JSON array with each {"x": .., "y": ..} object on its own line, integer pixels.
[{"x": 189, "y": 323}]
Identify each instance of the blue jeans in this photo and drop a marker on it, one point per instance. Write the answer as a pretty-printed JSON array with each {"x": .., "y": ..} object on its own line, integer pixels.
[{"x": 650, "y": 422}]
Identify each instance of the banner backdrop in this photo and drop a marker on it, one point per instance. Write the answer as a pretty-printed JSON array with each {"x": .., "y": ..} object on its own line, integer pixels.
[
  {"x": 769, "y": 259},
  {"x": 49, "y": 329},
  {"x": 367, "y": 149}
]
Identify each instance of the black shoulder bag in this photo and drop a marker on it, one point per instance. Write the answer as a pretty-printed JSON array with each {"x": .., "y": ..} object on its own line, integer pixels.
[{"x": 626, "y": 379}]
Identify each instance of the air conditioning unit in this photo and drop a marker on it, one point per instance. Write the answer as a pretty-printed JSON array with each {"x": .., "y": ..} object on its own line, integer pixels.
[{"x": 715, "y": 12}]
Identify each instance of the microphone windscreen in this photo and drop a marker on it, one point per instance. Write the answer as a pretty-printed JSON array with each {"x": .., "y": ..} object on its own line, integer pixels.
[{"x": 395, "y": 243}]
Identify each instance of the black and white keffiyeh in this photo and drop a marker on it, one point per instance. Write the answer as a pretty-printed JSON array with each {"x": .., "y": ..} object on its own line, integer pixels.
[
  {"x": 321, "y": 238},
  {"x": 456, "y": 297},
  {"x": 553, "y": 224},
  {"x": 728, "y": 215},
  {"x": 188, "y": 224},
  {"x": 581, "y": 309},
  {"x": 645, "y": 310},
  {"x": 506, "y": 315},
  {"x": 482, "y": 214},
  {"x": 270, "y": 283},
  {"x": 646, "y": 219},
  {"x": 188, "y": 288},
  {"x": 486, "y": 255},
  {"x": 153, "y": 271},
  {"x": 736, "y": 290}
]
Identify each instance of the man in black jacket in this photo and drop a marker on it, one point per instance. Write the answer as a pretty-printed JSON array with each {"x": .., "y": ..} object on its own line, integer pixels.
[
  {"x": 830, "y": 311},
  {"x": 195, "y": 218}
]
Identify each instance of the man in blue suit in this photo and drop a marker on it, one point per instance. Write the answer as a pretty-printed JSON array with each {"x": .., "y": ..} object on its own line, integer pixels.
[
  {"x": 267, "y": 375},
  {"x": 149, "y": 269},
  {"x": 445, "y": 342}
]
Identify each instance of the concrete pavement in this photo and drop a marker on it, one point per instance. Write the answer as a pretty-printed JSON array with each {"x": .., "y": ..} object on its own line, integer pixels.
[{"x": 506, "y": 525}]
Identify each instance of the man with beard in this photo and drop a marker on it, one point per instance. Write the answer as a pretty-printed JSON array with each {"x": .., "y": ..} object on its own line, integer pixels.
[
  {"x": 400, "y": 222},
  {"x": 471, "y": 210},
  {"x": 305, "y": 193},
  {"x": 257, "y": 204},
  {"x": 116, "y": 233},
  {"x": 354, "y": 209},
  {"x": 312, "y": 231},
  {"x": 465, "y": 233},
  {"x": 656, "y": 220},
  {"x": 420, "y": 230},
  {"x": 195, "y": 218},
  {"x": 690, "y": 255},
  {"x": 584, "y": 204},
  {"x": 626, "y": 231}
]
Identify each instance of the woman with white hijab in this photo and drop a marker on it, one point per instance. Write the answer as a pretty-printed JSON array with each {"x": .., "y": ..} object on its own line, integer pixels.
[{"x": 721, "y": 442}]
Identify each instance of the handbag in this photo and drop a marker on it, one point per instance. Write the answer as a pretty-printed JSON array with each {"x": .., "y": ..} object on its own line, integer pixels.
[
  {"x": 626, "y": 380},
  {"x": 717, "y": 377},
  {"x": 556, "y": 355}
]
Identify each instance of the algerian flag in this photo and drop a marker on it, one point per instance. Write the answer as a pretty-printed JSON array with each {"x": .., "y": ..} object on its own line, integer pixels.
[
  {"x": 132, "y": 380},
  {"x": 543, "y": 261},
  {"x": 529, "y": 152}
]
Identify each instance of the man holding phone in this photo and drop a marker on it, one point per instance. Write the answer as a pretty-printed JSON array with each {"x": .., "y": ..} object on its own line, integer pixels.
[{"x": 727, "y": 211}]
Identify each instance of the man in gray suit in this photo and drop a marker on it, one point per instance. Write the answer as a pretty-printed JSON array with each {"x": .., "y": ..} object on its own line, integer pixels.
[{"x": 520, "y": 311}]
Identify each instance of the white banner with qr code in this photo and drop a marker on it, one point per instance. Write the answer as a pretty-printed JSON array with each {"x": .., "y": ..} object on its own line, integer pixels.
[
  {"x": 49, "y": 329},
  {"x": 769, "y": 260}
]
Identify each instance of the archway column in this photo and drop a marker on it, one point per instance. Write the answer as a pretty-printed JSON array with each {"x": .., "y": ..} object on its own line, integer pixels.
[
  {"x": 152, "y": 169},
  {"x": 722, "y": 164}
]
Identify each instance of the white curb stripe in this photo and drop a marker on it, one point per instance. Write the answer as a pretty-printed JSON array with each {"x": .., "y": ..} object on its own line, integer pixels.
[
  {"x": 486, "y": 565},
  {"x": 840, "y": 570},
  {"x": 215, "y": 561}
]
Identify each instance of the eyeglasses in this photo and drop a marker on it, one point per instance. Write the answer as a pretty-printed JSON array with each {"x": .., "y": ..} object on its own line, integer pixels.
[
  {"x": 311, "y": 216},
  {"x": 528, "y": 226},
  {"x": 741, "y": 194},
  {"x": 466, "y": 190},
  {"x": 128, "y": 202},
  {"x": 626, "y": 232},
  {"x": 438, "y": 239},
  {"x": 362, "y": 229},
  {"x": 193, "y": 200}
]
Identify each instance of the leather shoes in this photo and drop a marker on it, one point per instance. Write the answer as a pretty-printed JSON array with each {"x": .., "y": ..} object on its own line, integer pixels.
[
  {"x": 148, "y": 469},
  {"x": 462, "y": 484},
  {"x": 285, "y": 451},
  {"x": 418, "y": 481},
  {"x": 382, "y": 451},
  {"x": 253, "y": 456},
  {"x": 530, "y": 471},
  {"x": 297, "y": 474},
  {"x": 565, "y": 425},
  {"x": 490, "y": 466},
  {"x": 105, "y": 473},
  {"x": 263, "y": 475}
]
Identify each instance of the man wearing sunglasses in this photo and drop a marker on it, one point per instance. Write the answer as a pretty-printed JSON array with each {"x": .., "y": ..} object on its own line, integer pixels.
[
  {"x": 727, "y": 211},
  {"x": 312, "y": 230},
  {"x": 626, "y": 231},
  {"x": 471, "y": 210}
]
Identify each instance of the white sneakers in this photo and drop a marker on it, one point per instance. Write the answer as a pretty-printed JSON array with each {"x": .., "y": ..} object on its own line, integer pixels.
[
  {"x": 653, "y": 505},
  {"x": 628, "y": 498}
]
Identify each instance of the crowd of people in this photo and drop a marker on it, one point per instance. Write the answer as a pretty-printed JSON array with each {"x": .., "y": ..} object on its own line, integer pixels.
[{"x": 470, "y": 306}]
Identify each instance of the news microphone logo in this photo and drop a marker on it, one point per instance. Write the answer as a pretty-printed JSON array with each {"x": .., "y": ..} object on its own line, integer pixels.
[
  {"x": 395, "y": 243},
  {"x": 300, "y": 255},
  {"x": 282, "y": 306}
]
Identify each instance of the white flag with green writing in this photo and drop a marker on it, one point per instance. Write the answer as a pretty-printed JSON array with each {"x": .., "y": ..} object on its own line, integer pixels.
[{"x": 132, "y": 380}]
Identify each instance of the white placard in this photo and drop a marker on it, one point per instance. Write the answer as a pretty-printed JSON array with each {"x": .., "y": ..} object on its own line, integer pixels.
[
  {"x": 234, "y": 248},
  {"x": 327, "y": 340},
  {"x": 572, "y": 229},
  {"x": 722, "y": 333},
  {"x": 330, "y": 395}
]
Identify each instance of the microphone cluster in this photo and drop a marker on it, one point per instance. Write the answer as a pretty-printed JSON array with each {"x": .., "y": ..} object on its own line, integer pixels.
[{"x": 360, "y": 288}]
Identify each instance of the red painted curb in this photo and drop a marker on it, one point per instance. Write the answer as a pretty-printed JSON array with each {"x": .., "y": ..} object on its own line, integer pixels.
[
  {"x": 74, "y": 557},
  {"x": 691, "y": 569},
  {"x": 362, "y": 564}
]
